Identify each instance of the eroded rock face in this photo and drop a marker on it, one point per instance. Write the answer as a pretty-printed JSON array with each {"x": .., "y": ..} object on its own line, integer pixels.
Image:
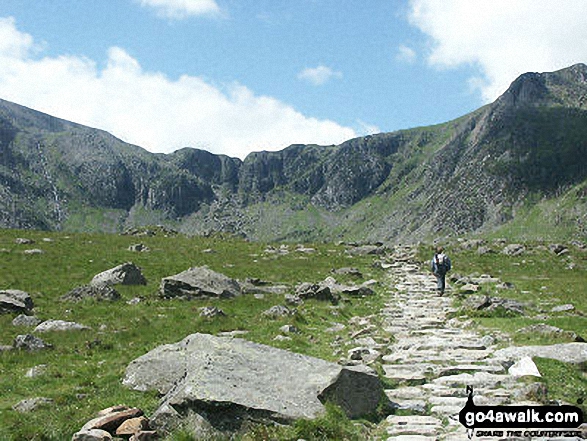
[
  {"x": 199, "y": 282},
  {"x": 227, "y": 381}
]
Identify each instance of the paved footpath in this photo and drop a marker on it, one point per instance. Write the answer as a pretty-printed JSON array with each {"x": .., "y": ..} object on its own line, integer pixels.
[{"x": 433, "y": 359}]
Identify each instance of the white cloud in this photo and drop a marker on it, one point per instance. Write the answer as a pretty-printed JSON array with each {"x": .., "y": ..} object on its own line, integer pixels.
[
  {"x": 148, "y": 108},
  {"x": 318, "y": 75},
  {"x": 179, "y": 9},
  {"x": 406, "y": 54},
  {"x": 504, "y": 38}
]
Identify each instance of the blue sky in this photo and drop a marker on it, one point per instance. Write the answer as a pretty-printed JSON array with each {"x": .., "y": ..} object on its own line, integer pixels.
[{"x": 235, "y": 76}]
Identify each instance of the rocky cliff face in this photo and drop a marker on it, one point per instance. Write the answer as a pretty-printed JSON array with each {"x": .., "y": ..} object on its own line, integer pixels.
[{"x": 462, "y": 176}]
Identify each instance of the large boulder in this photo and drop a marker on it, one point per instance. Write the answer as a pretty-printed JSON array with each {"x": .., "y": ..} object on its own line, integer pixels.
[
  {"x": 224, "y": 382},
  {"x": 126, "y": 274},
  {"x": 14, "y": 300},
  {"x": 199, "y": 282}
]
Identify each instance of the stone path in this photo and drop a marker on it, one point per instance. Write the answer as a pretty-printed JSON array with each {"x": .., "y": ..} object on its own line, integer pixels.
[{"x": 433, "y": 359}]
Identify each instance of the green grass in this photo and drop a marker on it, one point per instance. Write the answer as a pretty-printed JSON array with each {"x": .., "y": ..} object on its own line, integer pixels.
[{"x": 84, "y": 369}]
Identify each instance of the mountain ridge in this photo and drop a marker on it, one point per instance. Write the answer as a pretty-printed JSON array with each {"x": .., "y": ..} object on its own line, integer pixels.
[{"x": 472, "y": 174}]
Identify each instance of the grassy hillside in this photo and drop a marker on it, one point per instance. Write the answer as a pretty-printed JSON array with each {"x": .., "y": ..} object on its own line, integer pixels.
[{"x": 84, "y": 370}]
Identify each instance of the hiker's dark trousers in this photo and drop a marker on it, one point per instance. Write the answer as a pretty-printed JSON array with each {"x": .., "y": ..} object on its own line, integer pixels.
[{"x": 440, "y": 281}]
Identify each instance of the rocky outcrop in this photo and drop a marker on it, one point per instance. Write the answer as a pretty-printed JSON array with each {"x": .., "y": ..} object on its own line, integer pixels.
[
  {"x": 199, "y": 282},
  {"x": 220, "y": 383}
]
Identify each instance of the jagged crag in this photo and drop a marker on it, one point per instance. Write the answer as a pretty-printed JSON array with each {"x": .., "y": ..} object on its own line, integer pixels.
[{"x": 474, "y": 174}]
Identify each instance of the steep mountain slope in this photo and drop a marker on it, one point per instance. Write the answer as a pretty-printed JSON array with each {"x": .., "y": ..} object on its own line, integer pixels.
[{"x": 476, "y": 173}]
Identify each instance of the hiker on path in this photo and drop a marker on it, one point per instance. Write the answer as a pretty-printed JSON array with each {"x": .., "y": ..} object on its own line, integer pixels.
[{"x": 440, "y": 265}]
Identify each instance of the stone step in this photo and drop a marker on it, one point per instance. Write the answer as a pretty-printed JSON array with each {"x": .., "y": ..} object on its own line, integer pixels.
[{"x": 413, "y": 425}]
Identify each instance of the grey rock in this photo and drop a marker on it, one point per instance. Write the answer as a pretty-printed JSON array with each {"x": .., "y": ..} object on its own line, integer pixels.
[
  {"x": 514, "y": 249},
  {"x": 558, "y": 249},
  {"x": 60, "y": 325},
  {"x": 32, "y": 404},
  {"x": 211, "y": 312},
  {"x": 29, "y": 342},
  {"x": 469, "y": 288},
  {"x": 293, "y": 300},
  {"x": 4, "y": 348},
  {"x": 493, "y": 303},
  {"x": 102, "y": 292},
  {"x": 228, "y": 381},
  {"x": 33, "y": 251},
  {"x": 36, "y": 371},
  {"x": 126, "y": 274},
  {"x": 26, "y": 320},
  {"x": 23, "y": 241},
  {"x": 92, "y": 435},
  {"x": 482, "y": 251},
  {"x": 278, "y": 311},
  {"x": 199, "y": 282},
  {"x": 14, "y": 300},
  {"x": 139, "y": 248},
  {"x": 565, "y": 352},
  {"x": 563, "y": 308},
  {"x": 347, "y": 271},
  {"x": 307, "y": 291},
  {"x": 289, "y": 329}
]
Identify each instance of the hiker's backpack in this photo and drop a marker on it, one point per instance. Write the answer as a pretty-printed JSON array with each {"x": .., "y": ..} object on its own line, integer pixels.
[{"x": 441, "y": 263}]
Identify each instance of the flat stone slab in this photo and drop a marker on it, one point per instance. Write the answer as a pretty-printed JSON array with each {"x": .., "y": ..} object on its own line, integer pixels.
[{"x": 231, "y": 376}]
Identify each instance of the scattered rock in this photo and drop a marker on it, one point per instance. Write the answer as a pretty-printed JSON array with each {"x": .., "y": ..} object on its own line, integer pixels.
[
  {"x": 36, "y": 371},
  {"x": 139, "y": 248},
  {"x": 353, "y": 272},
  {"x": 289, "y": 329},
  {"x": 199, "y": 282},
  {"x": 505, "y": 285},
  {"x": 558, "y": 249},
  {"x": 134, "y": 301},
  {"x": 126, "y": 274},
  {"x": 14, "y": 300},
  {"x": 144, "y": 435},
  {"x": 97, "y": 292},
  {"x": 293, "y": 300},
  {"x": 23, "y": 241},
  {"x": 488, "y": 303},
  {"x": 132, "y": 426},
  {"x": 26, "y": 320},
  {"x": 32, "y": 404},
  {"x": 224, "y": 383},
  {"x": 525, "y": 366},
  {"x": 469, "y": 288},
  {"x": 60, "y": 325},
  {"x": 29, "y": 342},
  {"x": 482, "y": 251},
  {"x": 33, "y": 251},
  {"x": 337, "y": 327},
  {"x": 92, "y": 435},
  {"x": 514, "y": 249},
  {"x": 563, "y": 308},
  {"x": 211, "y": 312},
  {"x": 278, "y": 311},
  {"x": 544, "y": 329},
  {"x": 307, "y": 291},
  {"x": 111, "y": 421}
]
